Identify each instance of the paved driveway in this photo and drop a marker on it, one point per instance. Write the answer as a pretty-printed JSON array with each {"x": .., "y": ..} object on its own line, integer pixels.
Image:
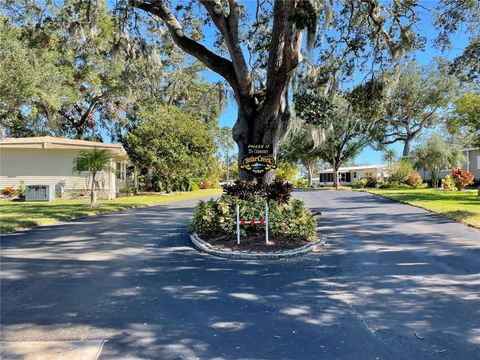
[{"x": 394, "y": 282}]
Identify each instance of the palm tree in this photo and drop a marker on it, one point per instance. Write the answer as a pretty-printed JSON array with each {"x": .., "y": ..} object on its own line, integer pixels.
[
  {"x": 390, "y": 157},
  {"x": 94, "y": 162}
]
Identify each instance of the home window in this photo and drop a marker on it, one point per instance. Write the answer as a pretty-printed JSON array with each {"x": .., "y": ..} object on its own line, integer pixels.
[
  {"x": 478, "y": 162},
  {"x": 120, "y": 171},
  {"x": 344, "y": 177},
  {"x": 326, "y": 177}
]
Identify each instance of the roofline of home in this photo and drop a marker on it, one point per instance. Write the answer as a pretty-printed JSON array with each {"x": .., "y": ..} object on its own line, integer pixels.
[{"x": 47, "y": 142}]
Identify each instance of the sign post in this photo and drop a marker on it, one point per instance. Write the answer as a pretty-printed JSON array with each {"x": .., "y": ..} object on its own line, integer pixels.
[
  {"x": 252, "y": 222},
  {"x": 266, "y": 222},
  {"x": 238, "y": 224}
]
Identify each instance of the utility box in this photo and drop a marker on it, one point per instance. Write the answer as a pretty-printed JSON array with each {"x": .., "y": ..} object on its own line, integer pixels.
[{"x": 39, "y": 193}]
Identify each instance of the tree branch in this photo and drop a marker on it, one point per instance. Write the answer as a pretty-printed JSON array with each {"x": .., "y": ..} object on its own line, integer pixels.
[
  {"x": 284, "y": 55},
  {"x": 213, "y": 61},
  {"x": 228, "y": 27}
]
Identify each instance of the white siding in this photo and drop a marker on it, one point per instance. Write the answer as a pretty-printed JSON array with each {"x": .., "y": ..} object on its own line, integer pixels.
[{"x": 46, "y": 167}]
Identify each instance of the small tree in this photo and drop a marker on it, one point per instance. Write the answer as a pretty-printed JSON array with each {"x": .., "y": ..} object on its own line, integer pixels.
[
  {"x": 436, "y": 155},
  {"x": 286, "y": 171},
  {"x": 94, "y": 162},
  {"x": 403, "y": 170}
]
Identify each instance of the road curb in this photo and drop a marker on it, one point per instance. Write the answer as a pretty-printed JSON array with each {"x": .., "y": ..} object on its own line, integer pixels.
[{"x": 247, "y": 255}]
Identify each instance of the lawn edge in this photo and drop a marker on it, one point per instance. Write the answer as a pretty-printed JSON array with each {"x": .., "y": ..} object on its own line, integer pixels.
[
  {"x": 420, "y": 207},
  {"x": 69, "y": 219}
]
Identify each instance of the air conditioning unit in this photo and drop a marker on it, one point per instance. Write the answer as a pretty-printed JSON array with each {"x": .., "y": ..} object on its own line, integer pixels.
[{"x": 39, "y": 192}]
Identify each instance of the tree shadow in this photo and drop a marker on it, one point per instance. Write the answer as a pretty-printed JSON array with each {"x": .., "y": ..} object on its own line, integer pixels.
[{"x": 134, "y": 279}]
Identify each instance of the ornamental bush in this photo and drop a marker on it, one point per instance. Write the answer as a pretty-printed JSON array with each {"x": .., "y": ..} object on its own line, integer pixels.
[
  {"x": 415, "y": 179},
  {"x": 449, "y": 183},
  {"x": 462, "y": 178},
  {"x": 8, "y": 191},
  {"x": 368, "y": 182},
  {"x": 217, "y": 218},
  {"x": 394, "y": 185},
  {"x": 362, "y": 182},
  {"x": 278, "y": 190}
]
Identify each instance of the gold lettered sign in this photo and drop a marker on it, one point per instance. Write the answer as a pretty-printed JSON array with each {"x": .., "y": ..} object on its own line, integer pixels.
[{"x": 258, "y": 159}]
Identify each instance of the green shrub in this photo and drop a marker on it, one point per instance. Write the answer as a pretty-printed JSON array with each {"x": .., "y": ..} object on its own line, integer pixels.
[
  {"x": 403, "y": 171},
  {"x": 194, "y": 186},
  {"x": 300, "y": 184},
  {"x": 448, "y": 183},
  {"x": 362, "y": 182},
  {"x": 127, "y": 189},
  {"x": 20, "y": 192},
  {"x": 218, "y": 218},
  {"x": 368, "y": 182},
  {"x": 394, "y": 185}
]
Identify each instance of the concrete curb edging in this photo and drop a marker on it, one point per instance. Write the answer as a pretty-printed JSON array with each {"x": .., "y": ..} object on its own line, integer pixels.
[{"x": 244, "y": 255}]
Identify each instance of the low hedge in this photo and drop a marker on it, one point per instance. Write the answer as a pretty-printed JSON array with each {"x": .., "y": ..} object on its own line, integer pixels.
[{"x": 217, "y": 218}]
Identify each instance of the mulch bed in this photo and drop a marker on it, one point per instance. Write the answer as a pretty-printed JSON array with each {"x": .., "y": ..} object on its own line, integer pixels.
[{"x": 254, "y": 243}]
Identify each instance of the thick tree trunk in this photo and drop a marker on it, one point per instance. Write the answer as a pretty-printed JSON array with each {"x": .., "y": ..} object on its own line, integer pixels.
[
  {"x": 406, "y": 147},
  {"x": 259, "y": 126}
]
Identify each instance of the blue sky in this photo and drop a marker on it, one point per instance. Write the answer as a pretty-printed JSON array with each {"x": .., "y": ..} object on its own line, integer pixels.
[{"x": 425, "y": 28}]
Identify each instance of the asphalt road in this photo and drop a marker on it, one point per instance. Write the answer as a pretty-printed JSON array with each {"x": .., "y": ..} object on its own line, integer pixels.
[{"x": 393, "y": 282}]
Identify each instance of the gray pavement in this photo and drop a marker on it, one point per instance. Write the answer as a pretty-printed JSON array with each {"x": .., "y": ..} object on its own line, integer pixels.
[{"x": 394, "y": 282}]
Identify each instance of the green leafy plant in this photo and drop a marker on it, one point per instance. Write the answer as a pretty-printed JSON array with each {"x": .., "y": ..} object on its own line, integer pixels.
[
  {"x": 20, "y": 191},
  {"x": 218, "y": 217},
  {"x": 448, "y": 183},
  {"x": 462, "y": 178},
  {"x": 370, "y": 182},
  {"x": 362, "y": 182},
  {"x": 394, "y": 185}
]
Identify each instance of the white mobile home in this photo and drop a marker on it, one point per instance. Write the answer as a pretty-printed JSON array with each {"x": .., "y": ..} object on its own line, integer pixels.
[
  {"x": 49, "y": 161},
  {"x": 350, "y": 175}
]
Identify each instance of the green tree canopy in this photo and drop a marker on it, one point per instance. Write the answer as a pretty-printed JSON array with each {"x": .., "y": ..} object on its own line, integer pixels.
[
  {"x": 417, "y": 102},
  {"x": 435, "y": 155},
  {"x": 170, "y": 142},
  {"x": 466, "y": 116}
]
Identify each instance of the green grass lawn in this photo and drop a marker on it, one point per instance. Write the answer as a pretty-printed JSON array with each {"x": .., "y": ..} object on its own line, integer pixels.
[
  {"x": 23, "y": 215},
  {"x": 463, "y": 206}
]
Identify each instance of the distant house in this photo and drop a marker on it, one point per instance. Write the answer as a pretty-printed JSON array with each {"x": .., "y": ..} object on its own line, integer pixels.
[
  {"x": 350, "y": 175},
  {"x": 49, "y": 161},
  {"x": 472, "y": 164}
]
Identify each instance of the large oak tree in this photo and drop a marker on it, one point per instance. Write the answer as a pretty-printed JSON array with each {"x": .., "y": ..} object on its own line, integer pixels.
[{"x": 259, "y": 50}]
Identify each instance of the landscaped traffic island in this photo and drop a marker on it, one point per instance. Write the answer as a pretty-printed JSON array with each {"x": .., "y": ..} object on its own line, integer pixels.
[{"x": 254, "y": 218}]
